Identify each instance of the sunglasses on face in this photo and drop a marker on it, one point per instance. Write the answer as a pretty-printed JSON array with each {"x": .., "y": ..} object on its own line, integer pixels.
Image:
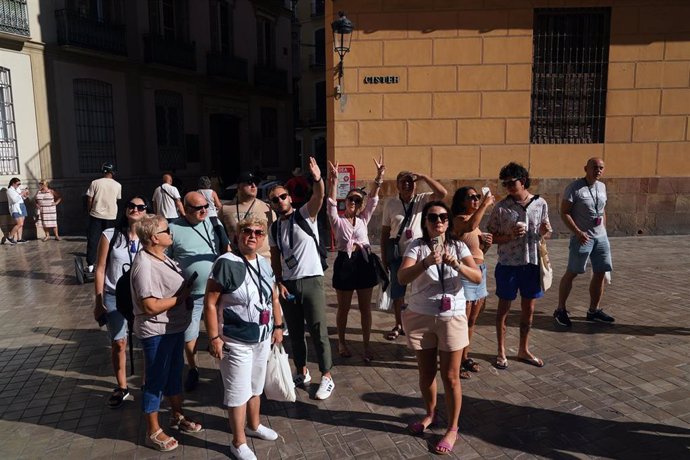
[
  {"x": 167, "y": 230},
  {"x": 278, "y": 198},
  {"x": 251, "y": 231},
  {"x": 355, "y": 199},
  {"x": 474, "y": 197},
  {"x": 198, "y": 208},
  {"x": 250, "y": 183},
  {"x": 138, "y": 207},
  {"x": 433, "y": 218},
  {"x": 510, "y": 183}
]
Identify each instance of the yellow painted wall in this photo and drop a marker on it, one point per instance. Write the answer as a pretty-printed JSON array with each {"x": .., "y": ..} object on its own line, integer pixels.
[{"x": 461, "y": 108}]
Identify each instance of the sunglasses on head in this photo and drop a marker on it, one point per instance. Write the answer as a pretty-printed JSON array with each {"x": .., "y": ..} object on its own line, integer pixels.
[
  {"x": 433, "y": 218},
  {"x": 355, "y": 199},
  {"x": 198, "y": 208},
  {"x": 476, "y": 197},
  {"x": 278, "y": 198},
  {"x": 167, "y": 230},
  {"x": 256, "y": 232},
  {"x": 511, "y": 182},
  {"x": 138, "y": 207}
]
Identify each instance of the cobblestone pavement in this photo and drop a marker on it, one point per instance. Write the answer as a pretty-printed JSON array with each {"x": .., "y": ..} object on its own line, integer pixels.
[{"x": 606, "y": 391}]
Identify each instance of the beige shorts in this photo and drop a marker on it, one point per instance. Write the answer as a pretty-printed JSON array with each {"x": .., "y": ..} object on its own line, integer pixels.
[{"x": 447, "y": 333}]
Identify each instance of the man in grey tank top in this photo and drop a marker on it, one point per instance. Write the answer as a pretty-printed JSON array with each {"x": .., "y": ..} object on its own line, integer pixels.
[{"x": 582, "y": 211}]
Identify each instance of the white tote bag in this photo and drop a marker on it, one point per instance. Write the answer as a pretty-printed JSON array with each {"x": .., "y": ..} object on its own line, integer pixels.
[
  {"x": 384, "y": 300},
  {"x": 279, "y": 385},
  {"x": 545, "y": 269}
]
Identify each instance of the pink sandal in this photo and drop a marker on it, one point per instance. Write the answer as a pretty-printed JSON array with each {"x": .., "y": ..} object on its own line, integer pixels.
[
  {"x": 444, "y": 447},
  {"x": 418, "y": 428}
]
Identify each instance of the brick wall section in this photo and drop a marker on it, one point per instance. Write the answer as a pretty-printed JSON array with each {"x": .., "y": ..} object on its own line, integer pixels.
[{"x": 461, "y": 108}]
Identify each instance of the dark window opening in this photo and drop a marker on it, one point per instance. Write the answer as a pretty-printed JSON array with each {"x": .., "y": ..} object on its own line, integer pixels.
[{"x": 94, "y": 122}]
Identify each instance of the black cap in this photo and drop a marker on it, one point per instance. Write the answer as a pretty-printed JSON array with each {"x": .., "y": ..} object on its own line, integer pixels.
[
  {"x": 107, "y": 167},
  {"x": 246, "y": 176}
]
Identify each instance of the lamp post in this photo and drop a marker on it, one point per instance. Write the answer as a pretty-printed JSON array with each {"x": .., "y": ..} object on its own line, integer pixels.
[{"x": 342, "y": 37}]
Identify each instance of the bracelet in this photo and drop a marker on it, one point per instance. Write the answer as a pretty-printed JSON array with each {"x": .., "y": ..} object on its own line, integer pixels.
[
  {"x": 214, "y": 338},
  {"x": 378, "y": 181},
  {"x": 317, "y": 180},
  {"x": 279, "y": 326}
]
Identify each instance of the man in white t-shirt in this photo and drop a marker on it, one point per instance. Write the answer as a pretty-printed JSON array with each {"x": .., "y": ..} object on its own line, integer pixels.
[
  {"x": 401, "y": 224},
  {"x": 167, "y": 201},
  {"x": 297, "y": 266},
  {"x": 102, "y": 197}
]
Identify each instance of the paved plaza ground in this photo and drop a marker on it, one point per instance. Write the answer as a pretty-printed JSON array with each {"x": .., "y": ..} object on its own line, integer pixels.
[{"x": 618, "y": 391}]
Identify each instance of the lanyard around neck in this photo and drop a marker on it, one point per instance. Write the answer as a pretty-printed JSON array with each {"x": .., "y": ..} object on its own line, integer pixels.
[
  {"x": 237, "y": 207},
  {"x": 595, "y": 195},
  {"x": 207, "y": 239}
]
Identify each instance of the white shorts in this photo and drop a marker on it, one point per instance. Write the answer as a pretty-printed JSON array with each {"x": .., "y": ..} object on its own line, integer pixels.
[{"x": 243, "y": 369}]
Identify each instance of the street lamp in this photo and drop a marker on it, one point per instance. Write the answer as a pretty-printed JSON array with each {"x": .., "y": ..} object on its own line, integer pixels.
[{"x": 342, "y": 37}]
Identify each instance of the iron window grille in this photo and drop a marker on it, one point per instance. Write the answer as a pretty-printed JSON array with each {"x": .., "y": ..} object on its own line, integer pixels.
[
  {"x": 170, "y": 130},
  {"x": 9, "y": 155},
  {"x": 14, "y": 17},
  {"x": 569, "y": 75},
  {"x": 94, "y": 122}
]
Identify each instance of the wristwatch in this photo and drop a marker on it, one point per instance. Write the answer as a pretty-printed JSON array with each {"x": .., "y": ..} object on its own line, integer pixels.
[{"x": 279, "y": 326}]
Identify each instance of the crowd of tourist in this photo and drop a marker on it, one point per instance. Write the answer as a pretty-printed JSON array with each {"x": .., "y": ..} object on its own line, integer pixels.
[{"x": 255, "y": 270}]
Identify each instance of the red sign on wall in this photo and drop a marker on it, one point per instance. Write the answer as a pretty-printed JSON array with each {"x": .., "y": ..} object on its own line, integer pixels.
[{"x": 346, "y": 181}]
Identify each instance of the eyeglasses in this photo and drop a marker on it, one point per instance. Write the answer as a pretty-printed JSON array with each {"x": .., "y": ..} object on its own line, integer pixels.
[
  {"x": 511, "y": 182},
  {"x": 167, "y": 230},
  {"x": 198, "y": 208},
  {"x": 433, "y": 218},
  {"x": 138, "y": 207},
  {"x": 251, "y": 231},
  {"x": 278, "y": 198},
  {"x": 474, "y": 197},
  {"x": 355, "y": 199}
]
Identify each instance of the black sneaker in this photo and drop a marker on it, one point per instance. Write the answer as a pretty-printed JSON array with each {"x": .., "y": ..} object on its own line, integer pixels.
[
  {"x": 11, "y": 240},
  {"x": 561, "y": 318},
  {"x": 22, "y": 241},
  {"x": 192, "y": 379},
  {"x": 599, "y": 316},
  {"x": 119, "y": 396}
]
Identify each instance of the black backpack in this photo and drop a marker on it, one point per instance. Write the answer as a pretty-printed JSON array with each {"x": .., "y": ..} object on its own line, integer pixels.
[
  {"x": 302, "y": 222},
  {"x": 123, "y": 294}
]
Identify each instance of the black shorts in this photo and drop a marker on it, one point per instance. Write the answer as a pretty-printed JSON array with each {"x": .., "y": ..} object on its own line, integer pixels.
[{"x": 351, "y": 273}]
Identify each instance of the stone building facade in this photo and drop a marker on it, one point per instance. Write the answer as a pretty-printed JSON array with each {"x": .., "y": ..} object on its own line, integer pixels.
[{"x": 472, "y": 85}]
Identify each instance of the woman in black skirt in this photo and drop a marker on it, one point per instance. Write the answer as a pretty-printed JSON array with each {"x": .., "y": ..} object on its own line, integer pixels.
[{"x": 354, "y": 268}]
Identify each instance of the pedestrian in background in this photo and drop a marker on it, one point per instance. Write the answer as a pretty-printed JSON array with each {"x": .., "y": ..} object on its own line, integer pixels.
[
  {"x": 214, "y": 205},
  {"x": 468, "y": 209},
  {"x": 47, "y": 200},
  {"x": 101, "y": 202},
  {"x": 17, "y": 207},
  {"x": 354, "y": 268},
  {"x": 517, "y": 223},
  {"x": 167, "y": 201}
]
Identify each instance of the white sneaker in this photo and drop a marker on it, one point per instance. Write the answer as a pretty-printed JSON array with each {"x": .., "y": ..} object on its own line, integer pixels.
[
  {"x": 261, "y": 432},
  {"x": 302, "y": 379},
  {"x": 242, "y": 453},
  {"x": 326, "y": 387}
]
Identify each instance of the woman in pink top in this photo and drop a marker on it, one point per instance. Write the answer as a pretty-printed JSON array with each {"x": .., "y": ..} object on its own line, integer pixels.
[{"x": 354, "y": 269}]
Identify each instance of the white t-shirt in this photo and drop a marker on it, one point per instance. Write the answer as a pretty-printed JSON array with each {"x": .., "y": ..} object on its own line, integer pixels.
[
  {"x": 303, "y": 248},
  {"x": 105, "y": 192},
  {"x": 208, "y": 194},
  {"x": 164, "y": 203},
  {"x": 394, "y": 214},
  {"x": 14, "y": 200},
  {"x": 426, "y": 291},
  {"x": 119, "y": 257}
]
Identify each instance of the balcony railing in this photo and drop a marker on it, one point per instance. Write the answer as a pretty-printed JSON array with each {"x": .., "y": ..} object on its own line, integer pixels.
[
  {"x": 176, "y": 53},
  {"x": 220, "y": 65},
  {"x": 76, "y": 30},
  {"x": 269, "y": 77},
  {"x": 14, "y": 17}
]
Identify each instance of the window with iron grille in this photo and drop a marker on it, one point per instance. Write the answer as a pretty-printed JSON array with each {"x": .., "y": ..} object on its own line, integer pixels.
[
  {"x": 94, "y": 122},
  {"x": 269, "y": 137},
  {"x": 9, "y": 155},
  {"x": 569, "y": 75},
  {"x": 221, "y": 27},
  {"x": 170, "y": 130},
  {"x": 169, "y": 19}
]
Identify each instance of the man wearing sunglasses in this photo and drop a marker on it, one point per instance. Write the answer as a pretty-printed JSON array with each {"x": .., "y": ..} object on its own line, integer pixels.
[
  {"x": 246, "y": 205},
  {"x": 196, "y": 245},
  {"x": 167, "y": 201},
  {"x": 401, "y": 224},
  {"x": 582, "y": 211},
  {"x": 297, "y": 266}
]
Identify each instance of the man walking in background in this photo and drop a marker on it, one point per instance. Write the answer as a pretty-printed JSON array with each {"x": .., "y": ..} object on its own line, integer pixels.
[
  {"x": 101, "y": 203},
  {"x": 582, "y": 211},
  {"x": 166, "y": 199}
]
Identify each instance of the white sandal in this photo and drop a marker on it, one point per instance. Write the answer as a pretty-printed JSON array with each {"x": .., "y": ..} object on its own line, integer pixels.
[{"x": 162, "y": 446}]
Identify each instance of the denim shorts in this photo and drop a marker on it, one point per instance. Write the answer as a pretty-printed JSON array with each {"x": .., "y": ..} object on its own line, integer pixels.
[
  {"x": 475, "y": 291},
  {"x": 23, "y": 213},
  {"x": 597, "y": 250},
  {"x": 192, "y": 332},
  {"x": 510, "y": 278},
  {"x": 117, "y": 324}
]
